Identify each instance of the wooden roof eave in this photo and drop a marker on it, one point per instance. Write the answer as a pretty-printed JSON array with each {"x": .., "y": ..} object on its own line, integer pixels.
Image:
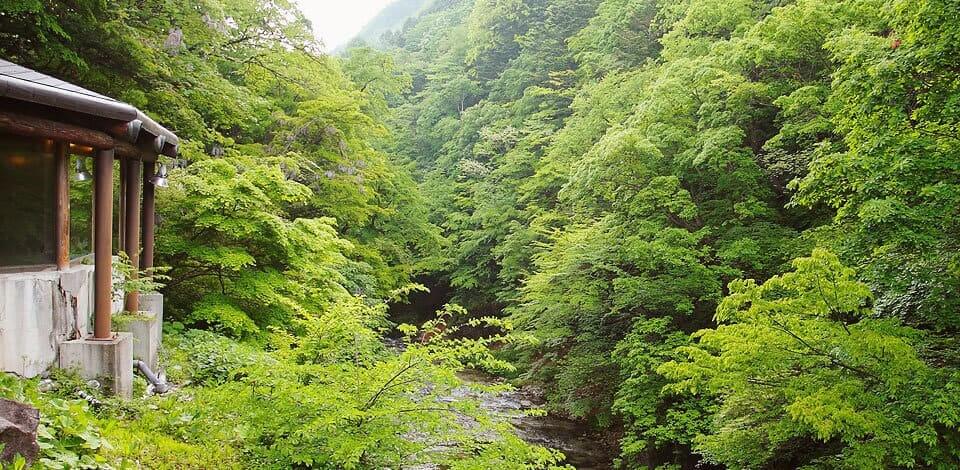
[
  {"x": 118, "y": 119},
  {"x": 31, "y": 126}
]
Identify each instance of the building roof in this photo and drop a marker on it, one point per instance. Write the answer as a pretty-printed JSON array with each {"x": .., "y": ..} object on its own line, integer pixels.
[
  {"x": 23, "y": 84},
  {"x": 22, "y": 73}
]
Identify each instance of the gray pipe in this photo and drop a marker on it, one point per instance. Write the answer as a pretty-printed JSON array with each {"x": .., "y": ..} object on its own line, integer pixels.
[
  {"x": 133, "y": 130},
  {"x": 159, "y": 386}
]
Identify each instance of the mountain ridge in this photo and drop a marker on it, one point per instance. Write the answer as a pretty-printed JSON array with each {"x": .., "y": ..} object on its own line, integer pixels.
[{"x": 391, "y": 18}]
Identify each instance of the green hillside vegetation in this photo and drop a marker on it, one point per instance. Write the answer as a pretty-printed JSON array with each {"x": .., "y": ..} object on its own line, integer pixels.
[
  {"x": 383, "y": 28},
  {"x": 730, "y": 225},
  {"x": 723, "y": 232}
]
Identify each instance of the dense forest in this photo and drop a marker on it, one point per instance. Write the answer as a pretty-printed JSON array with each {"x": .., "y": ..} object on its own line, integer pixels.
[
  {"x": 729, "y": 224},
  {"x": 725, "y": 233}
]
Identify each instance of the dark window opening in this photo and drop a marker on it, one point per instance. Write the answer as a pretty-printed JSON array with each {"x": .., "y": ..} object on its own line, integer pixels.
[{"x": 27, "y": 202}]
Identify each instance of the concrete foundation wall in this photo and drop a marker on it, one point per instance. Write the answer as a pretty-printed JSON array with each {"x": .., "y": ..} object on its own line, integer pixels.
[
  {"x": 46, "y": 320},
  {"x": 40, "y": 310},
  {"x": 152, "y": 303}
]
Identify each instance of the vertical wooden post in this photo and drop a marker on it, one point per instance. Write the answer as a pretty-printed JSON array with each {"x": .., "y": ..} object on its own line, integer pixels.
[
  {"x": 62, "y": 223},
  {"x": 148, "y": 216},
  {"x": 132, "y": 231},
  {"x": 122, "y": 206},
  {"x": 103, "y": 244}
]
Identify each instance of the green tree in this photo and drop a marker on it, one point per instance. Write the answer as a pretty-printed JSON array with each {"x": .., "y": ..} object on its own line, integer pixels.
[
  {"x": 240, "y": 262},
  {"x": 890, "y": 178},
  {"x": 801, "y": 359}
]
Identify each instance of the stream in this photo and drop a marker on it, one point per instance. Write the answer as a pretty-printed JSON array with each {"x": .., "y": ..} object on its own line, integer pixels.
[{"x": 584, "y": 448}]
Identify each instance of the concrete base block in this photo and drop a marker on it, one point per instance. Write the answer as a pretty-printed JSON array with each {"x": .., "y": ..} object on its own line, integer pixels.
[
  {"x": 110, "y": 361},
  {"x": 145, "y": 328},
  {"x": 152, "y": 303}
]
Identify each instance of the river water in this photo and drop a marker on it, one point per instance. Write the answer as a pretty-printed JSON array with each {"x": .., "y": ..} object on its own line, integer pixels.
[{"x": 584, "y": 448}]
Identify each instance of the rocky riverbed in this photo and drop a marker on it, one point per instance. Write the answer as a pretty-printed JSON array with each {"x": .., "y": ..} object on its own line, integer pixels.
[{"x": 585, "y": 449}]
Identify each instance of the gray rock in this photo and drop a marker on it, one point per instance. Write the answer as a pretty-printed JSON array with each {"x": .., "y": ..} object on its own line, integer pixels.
[
  {"x": 18, "y": 430},
  {"x": 46, "y": 385}
]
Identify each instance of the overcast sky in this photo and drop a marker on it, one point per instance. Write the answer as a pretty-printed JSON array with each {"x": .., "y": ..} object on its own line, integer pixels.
[{"x": 337, "y": 21}]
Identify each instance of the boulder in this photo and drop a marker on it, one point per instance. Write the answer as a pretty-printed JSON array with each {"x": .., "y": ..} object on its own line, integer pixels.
[{"x": 18, "y": 430}]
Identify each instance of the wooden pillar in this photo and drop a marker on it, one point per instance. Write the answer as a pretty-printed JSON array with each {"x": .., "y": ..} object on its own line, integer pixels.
[
  {"x": 122, "y": 206},
  {"x": 62, "y": 223},
  {"x": 148, "y": 217},
  {"x": 132, "y": 231},
  {"x": 103, "y": 244}
]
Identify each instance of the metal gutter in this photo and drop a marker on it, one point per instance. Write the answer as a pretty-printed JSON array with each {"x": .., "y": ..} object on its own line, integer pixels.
[
  {"x": 26, "y": 90},
  {"x": 171, "y": 141},
  {"x": 29, "y": 86}
]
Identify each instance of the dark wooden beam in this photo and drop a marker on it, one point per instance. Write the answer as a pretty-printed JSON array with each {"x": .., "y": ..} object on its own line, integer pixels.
[
  {"x": 103, "y": 245},
  {"x": 29, "y": 126},
  {"x": 128, "y": 150},
  {"x": 122, "y": 150},
  {"x": 84, "y": 141},
  {"x": 62, "y": 222},
  {"x": 132, "y": 230}
]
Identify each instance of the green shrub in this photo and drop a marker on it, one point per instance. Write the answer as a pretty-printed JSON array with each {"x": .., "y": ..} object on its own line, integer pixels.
[{"x": 206, "y": 358}]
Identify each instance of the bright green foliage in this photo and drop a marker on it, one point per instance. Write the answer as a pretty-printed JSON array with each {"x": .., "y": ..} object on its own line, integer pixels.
[
  {"x": 324, "y": 399},
  {"x": 68, "y": 435},
  {"x": 892, "y": 176},
  {"x": 228, "y": 236},
  {"x": 603, "y": 173},
  {"x": 655, "y": 418},
  {"x": 619, "y": 37},
  {"x": 377, "y": 74},
  {"x": 801, "y": 359},
  {"x": 493, "y": 26},
  {"x": 328, "y": 399},
  {"x": 148, "y": 280},
  {"x": 35, "y": 30}
]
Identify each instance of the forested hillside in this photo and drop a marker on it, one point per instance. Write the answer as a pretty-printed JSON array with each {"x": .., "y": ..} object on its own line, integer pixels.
[
  {"x": 285, "y": 232},
  {"x": 722, "y": 233},
  {"x": 731, "y": 225},
  {"x": 388, "y": 22}
]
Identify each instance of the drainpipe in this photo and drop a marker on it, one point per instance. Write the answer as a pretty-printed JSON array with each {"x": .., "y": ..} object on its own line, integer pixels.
[{"x": 159, "y": 385}]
